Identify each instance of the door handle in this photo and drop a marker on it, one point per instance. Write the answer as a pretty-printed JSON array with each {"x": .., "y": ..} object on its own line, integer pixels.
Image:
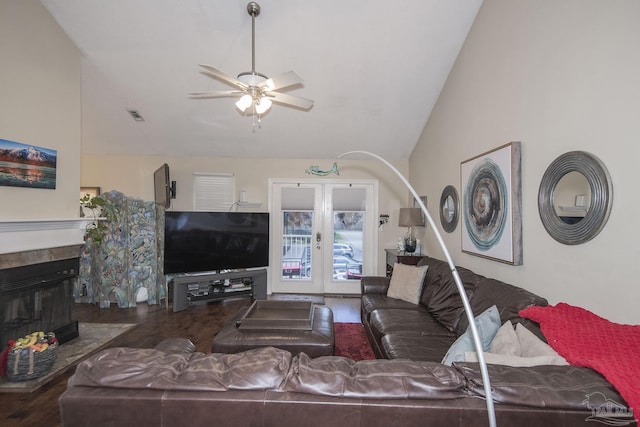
[{"x": 318, "y": 240}]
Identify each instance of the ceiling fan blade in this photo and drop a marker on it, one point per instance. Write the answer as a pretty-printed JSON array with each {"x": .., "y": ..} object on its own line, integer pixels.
[
  {"x": 217, "y": 94},
  {"x": 224, "y": 77},
  {"x": 283, "y": 98},
  {"x": 283, "y": 80}
]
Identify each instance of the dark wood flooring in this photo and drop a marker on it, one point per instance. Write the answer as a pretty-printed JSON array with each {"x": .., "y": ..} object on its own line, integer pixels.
[{"x": 198, "y": 323}]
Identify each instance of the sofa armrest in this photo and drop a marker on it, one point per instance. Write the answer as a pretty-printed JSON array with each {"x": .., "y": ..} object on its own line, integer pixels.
[
  {"x": 544, "y": 386},
  {"x": 374, "y": 285}
]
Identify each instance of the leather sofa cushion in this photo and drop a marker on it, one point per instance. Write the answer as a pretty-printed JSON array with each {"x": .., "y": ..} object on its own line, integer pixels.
[
  {"x": 416, "y": 346},
  {"x": 260, "y": 369},
  {"x": 371, "y": 302},
  {"x": 382, "y": 379},
  {"x": 434, "y": 274},
  {"x": 545, "y": 386},
  {"x": 508, "y": 298},
  {"x": 388, "y": 320},
  {"x": 176, "y": 345},
  {"x": 444, "y": 301}
]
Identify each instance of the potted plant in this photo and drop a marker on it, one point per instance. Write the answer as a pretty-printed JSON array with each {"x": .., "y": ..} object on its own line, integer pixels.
[{"x": 102, "y": 212}]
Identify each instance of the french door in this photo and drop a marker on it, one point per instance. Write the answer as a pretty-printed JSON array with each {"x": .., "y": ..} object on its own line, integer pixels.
[{"x": 323, "y": 235}]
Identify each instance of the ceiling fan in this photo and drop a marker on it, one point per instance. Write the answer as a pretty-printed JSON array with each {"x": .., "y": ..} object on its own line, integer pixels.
[{"x": 256, "y": 91}]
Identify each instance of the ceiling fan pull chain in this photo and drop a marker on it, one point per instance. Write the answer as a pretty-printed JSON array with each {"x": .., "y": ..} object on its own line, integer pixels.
[{"x": 253, "y": 119}]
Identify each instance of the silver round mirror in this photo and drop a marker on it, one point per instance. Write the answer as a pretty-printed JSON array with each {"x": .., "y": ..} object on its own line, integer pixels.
[
  {"x": 575, "y": 197},
  {"x": 449, "y": 208}
]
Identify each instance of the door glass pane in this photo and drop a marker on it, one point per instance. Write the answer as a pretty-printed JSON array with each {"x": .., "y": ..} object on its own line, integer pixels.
[
  {"x": 348, "y": 217},
  {"x": 347, "y": 245},
  {"x": 296, "y": 244}
]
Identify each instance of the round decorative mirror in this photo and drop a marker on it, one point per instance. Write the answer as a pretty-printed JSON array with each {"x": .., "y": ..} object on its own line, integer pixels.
[
  {"x": 449, "y": 208},
  {"x": 572, "y": 197},
  {"x": 575, "y": 197}
]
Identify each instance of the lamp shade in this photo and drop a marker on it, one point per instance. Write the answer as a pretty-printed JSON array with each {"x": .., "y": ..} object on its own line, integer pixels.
[
  {"x": 410, "y": 217},
  {"x": 263, "y": 105},
  {"x": 244, "y": 102}
]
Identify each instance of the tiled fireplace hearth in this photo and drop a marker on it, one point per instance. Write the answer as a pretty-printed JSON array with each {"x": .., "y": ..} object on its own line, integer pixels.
[{"x": 39, "y": 262}]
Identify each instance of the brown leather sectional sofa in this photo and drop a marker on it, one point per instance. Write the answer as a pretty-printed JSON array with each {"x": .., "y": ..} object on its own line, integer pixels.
[
  {"x": 425, "y": 331},
  {"x": 172, "y": 385}
]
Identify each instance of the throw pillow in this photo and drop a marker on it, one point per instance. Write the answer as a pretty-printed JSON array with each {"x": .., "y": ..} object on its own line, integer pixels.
[
  {"x": 487, "y": 323},
  {"x": 519, "y": 347},
  {"x": 506, "y": 341},
  {"x": 533, "y": 346},
  {"x": 406, "y": 282},
  {"x": 523, "y": 362}
]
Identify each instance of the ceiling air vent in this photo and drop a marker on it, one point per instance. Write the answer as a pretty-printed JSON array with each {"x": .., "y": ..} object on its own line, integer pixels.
[{"x": 136, "y": 116}]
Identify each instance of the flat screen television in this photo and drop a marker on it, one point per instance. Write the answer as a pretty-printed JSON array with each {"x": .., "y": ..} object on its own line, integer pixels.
[
  {"x": 215, "y": 241},
  {"x": 164, "y": 189}
]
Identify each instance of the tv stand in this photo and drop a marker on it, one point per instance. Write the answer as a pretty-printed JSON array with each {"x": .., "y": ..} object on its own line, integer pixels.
[{"x": 189, "y": 289}]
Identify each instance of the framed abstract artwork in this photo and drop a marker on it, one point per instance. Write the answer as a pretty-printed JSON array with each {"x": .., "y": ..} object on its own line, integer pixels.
[{"x": 491, "y": 205}]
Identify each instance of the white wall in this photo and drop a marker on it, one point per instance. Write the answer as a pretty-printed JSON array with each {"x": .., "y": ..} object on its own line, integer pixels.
[
  {"x": 557, "y": 76},
  {"x": 133, "y": 176},
  {"x": 40, "y": 105}
]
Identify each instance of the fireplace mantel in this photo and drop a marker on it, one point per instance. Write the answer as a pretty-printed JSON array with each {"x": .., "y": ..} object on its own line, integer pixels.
[{"x": 20, "y": 235}]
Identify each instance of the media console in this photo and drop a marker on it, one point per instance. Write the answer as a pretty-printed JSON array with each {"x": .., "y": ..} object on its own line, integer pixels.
[{"x": 191, "y": 289}]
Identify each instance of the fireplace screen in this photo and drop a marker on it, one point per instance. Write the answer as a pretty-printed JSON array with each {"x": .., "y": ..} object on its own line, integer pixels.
[{"x": 38, "y": 297}]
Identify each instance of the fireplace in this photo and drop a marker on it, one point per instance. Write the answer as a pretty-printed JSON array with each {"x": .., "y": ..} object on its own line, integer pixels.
[
  {"x": 38, "y": 297},
  {"x": 39, "y": 262}
]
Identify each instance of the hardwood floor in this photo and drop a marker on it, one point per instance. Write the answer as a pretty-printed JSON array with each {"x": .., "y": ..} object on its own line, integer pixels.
[
  {"x": 345, "y": 309},
  {"x": 199, "y": 323}
]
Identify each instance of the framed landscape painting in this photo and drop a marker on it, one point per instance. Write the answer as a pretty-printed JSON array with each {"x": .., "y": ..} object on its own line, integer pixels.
[
  {"x": 492, "y": 205},
  {"x": 23, "y": 165}
]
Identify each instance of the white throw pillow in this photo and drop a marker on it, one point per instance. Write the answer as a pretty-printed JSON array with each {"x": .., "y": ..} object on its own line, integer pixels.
[
  {"x": 506, "y": 341},
  {"x": 532, "y": 346},
  {"x": 519, "y": 347},
  {"x": 524, "y": 362},
  {"x": 406, "y": 282}
]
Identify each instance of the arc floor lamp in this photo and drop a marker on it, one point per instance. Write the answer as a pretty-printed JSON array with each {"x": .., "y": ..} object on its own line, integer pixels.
[{"x": 465, "y": 301}]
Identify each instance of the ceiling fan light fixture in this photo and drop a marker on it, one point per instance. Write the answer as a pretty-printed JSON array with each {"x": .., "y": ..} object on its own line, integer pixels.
[
  {"x": 251, "y": 78},
  {"x": 263, "y": 105},
  {"x": 256, "y": 90},
  {"x": 244, "y": 102}
]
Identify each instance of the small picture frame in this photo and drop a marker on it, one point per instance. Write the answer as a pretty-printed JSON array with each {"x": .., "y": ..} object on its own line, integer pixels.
[
  {"x": 91, "y": 191},
  {"x": 416, "y": 205}
]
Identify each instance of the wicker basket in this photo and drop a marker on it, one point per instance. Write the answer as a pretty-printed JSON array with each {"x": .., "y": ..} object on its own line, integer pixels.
[{"x": 27, "y": 364}]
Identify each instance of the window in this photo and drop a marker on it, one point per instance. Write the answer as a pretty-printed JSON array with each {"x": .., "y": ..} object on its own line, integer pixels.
[{"x": 212, "y": 191}]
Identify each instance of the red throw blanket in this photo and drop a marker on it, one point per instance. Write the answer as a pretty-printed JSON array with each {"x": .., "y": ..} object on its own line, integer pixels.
[{"x": 585, "y": 339}]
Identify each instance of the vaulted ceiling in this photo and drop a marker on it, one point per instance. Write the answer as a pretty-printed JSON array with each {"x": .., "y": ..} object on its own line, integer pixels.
[{"x": 374, "y": 70}]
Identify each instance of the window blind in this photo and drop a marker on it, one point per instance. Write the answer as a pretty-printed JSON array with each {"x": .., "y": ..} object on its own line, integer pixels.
[{"x": 212, "y": 191}]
